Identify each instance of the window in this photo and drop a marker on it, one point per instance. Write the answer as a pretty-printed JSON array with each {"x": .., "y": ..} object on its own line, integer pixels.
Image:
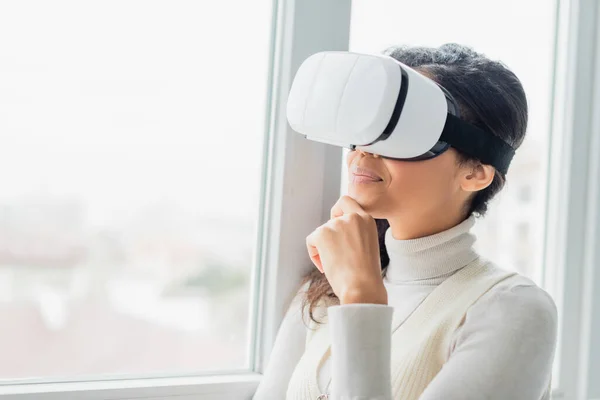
[
  {"x": 525, "y": 193},
  {"x": 154, "y": 202},
  {"x": 130, "y": 165}
]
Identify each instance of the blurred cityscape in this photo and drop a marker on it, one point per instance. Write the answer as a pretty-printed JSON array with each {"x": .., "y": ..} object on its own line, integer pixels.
[{"x": 144, "y": 296}]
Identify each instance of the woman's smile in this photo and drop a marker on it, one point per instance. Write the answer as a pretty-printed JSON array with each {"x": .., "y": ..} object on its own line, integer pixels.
[{"x": 364, "y": 175}]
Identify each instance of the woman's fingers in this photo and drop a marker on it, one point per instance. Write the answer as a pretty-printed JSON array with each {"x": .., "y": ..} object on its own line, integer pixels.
[
  {"x": 346, "y": 249},
  {"x": 311, "y": 245},
  {"x": 346, "y": 205}
]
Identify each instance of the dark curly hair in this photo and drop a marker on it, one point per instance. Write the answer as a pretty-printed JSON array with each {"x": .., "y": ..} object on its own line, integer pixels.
[{"x": 490, "y": 96}]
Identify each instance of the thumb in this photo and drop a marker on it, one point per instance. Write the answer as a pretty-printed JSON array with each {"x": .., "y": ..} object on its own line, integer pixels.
[{"x": 313, "y": 251}]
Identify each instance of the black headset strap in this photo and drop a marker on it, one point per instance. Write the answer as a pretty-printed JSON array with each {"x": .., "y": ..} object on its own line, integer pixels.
[{"x": 485, "y": 146}]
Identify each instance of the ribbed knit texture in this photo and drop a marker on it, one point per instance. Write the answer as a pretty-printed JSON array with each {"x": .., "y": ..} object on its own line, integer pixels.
[
  {"x": 426, "y": 259},
  {"x": 419, "y": 346}
]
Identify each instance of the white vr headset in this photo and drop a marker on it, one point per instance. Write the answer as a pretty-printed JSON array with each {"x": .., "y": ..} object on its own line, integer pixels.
[{"x": 379, "y": 105}]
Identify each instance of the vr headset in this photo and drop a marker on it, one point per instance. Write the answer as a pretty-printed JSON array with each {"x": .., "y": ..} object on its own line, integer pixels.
[{"x": 378, "y": 105}]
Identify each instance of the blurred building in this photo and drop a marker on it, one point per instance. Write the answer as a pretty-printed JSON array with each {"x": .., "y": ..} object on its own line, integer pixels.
[{"x": 127, "y": 298}]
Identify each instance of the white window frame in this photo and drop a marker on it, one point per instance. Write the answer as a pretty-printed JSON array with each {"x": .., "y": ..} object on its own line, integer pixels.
[
  {"x": 302, "y": 181},
  {"x": 305, "y": 175},
  {"x": 572, "y": 237}
]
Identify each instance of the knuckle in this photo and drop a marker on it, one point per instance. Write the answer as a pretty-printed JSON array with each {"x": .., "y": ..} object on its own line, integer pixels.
[
  {"x": 333, "y": 226},
  {"x": 315, "y": 234},
  {"x": 326, "y": 229},
  {"x": 342, "y": 220},
  {"x": 354, "y": 217}
]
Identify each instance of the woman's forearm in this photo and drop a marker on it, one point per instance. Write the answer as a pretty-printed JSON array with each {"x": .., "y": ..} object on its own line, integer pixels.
[{"x": 361, "y": 347}]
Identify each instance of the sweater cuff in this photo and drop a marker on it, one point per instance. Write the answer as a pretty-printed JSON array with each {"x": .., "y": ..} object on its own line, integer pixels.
[{"x": 361, "y": 351}]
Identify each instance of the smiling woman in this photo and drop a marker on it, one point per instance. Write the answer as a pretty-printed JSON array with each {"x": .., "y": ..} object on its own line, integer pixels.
[{"x": 455, "y": 313}]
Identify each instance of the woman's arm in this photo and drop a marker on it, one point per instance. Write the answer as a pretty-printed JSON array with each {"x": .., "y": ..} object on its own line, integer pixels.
[
  {"x": 360, "y": 351},
  {"x": 504, "y": 349},
  {"x": 287, "y": 350}
]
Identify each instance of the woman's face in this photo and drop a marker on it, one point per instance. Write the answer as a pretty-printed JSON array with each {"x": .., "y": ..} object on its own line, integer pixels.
[{"x": 390, "y": 189}]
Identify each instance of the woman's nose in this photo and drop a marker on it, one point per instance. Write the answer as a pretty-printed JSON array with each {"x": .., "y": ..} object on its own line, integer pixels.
[{"x": 364, "y": 153}]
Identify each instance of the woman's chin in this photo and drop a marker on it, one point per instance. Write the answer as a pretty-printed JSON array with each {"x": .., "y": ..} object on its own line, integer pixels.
[{"x": 363, "y": 196}]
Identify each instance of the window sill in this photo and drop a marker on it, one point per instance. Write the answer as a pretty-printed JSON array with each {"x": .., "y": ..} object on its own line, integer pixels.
[
  {"x": 185, "y": 388},
  {"x": 219, "y": 387}
]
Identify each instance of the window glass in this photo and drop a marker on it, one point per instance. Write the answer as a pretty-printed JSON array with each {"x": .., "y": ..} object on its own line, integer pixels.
[
  {"x": 131, "y": 136},
  {"x": 512, "y": 232}
]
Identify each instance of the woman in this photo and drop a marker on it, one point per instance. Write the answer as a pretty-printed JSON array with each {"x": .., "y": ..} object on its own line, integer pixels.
[{"x": 400, "y": 305}]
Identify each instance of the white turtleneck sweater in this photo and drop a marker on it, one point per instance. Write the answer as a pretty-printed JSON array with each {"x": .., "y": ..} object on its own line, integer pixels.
[{"x": 503, "y": 350}]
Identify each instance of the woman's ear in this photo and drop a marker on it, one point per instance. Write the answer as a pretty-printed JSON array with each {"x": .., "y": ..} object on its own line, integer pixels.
[{"x": 477, "y": 177}]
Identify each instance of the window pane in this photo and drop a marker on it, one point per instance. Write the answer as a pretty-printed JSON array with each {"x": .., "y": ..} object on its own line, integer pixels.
[
  {"x": 511, "y": 233},
  {"x": 131, "y": 139}
]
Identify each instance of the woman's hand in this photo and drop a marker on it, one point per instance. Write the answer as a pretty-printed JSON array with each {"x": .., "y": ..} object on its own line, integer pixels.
[{"x": 346, "y": 250}]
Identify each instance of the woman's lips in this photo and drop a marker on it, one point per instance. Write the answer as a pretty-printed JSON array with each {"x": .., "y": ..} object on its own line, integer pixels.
[
  {"x": 363, "y": 175},
  {"x": 364, "y": 179}
]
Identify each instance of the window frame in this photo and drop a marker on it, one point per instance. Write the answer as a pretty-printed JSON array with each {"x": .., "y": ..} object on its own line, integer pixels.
[
  {"x": 304, "y": 175},
  {"x": 573, "y": 193}
]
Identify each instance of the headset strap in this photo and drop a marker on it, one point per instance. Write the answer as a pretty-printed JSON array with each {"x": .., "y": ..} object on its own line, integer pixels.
[{"x": 473, "y": 141}]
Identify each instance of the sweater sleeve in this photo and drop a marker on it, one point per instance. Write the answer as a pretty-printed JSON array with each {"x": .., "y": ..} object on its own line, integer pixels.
[
  {"x": 503, "y": 350},
  {"x": 287, "y": 351},
  {"x": 360, "y": 351}
]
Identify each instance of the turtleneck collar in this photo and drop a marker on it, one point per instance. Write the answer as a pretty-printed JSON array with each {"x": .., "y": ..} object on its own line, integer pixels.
[{"x": 430, "y": 257}]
